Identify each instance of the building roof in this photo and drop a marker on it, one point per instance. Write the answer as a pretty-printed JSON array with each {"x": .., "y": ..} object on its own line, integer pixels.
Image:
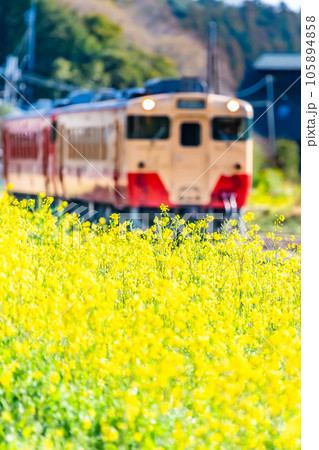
[{"x": 278, "y": 61}]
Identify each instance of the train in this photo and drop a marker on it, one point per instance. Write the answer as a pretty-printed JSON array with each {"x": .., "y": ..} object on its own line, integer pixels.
[{"x": 191, "y": 151}]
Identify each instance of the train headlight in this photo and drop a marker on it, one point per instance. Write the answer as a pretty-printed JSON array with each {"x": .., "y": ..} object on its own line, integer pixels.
[
  {"x": 233, "y": 105},
  {"x": 148, "y": 104}
]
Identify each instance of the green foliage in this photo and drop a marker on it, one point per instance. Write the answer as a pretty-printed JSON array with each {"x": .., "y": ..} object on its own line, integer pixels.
[
  {"x": 286, "y": 162},
  {"x": 5, "y": 109},
  {"x": 12, "y": 25},
  {"x": 261, "y": 161},
  {"x": 180, "y": 7},
  {"x": 276, "y": 181},
  {"x": 269, "y": 180},
  {"x": 87, "y": 50},
  {"x": 288, "y": 156},
  {"x": 102, "y": 28},
  {"x": 91, "y": 51}
]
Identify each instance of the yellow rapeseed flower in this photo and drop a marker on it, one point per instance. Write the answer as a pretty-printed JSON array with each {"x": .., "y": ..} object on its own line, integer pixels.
[
  {"x": 6, "y": 378},
  {"x": 86, "y": 424},
  {"x": 37, "y": 375},
  {"x": 248, "y": 217},
  {"x": 6, "y": 416},
  {"x": 55, "y": 377},
  {"x": 148, "y": 339},
  {"x": 47, "y": 444},
  {"x": 110, "y": 433}
]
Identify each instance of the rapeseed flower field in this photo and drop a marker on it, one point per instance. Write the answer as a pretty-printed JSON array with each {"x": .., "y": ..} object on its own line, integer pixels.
[{"x": 169, "y": 338}]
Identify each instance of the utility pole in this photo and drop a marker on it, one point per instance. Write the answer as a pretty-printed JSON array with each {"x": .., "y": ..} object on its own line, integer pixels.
[
  {"x": 30, "y": 20},
  {"x": 212, "y": 60},
  {"x": 270, "y": 113},
  {"x": 12, "y": 75}
]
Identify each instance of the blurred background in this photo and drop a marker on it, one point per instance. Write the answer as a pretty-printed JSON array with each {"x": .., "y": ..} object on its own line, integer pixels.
[{"x": 57, "y": 52}]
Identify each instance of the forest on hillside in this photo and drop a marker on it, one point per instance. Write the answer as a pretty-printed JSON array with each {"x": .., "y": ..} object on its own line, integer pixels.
[
  {"x": 87, "y": 50},
  {"x": 244, "y": 32},
  {"x": 91, "y": 50}
]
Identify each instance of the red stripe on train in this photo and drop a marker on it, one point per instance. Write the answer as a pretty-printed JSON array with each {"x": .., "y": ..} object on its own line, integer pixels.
[
  {"x": 239, "y": 185},
  {"x": 146, "y": 189}
]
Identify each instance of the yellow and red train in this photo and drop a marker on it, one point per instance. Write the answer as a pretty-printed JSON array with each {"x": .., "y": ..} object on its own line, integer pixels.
[{"x": 190, "y": 150}]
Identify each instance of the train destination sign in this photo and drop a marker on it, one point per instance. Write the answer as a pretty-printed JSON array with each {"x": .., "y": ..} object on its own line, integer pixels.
[{"x": 191, "y": 104}]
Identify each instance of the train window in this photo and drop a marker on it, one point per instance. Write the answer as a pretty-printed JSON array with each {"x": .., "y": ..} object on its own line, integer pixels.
[
  {"x": 147, "y": 127},
  {"x": 86, "y": 142},
  {"x": 231, "y": 128},
  {"x": 190, "y": 134},
  {"x": 23, "y": 145}
]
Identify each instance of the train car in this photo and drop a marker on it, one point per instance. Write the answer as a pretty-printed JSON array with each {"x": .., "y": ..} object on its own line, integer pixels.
[
  {"x": 188, "y": 150},
  {"x": 26, "y": 152},
  {"x": 89, "y": 143}
]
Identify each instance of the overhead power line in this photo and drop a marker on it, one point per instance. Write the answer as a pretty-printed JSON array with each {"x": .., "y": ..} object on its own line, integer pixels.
[
  {"x": 252, "y": 89},
  {"x": 268, "y": 82},
  {"x": 21, "y": 44},
  {"x": 47, "y": 82}
]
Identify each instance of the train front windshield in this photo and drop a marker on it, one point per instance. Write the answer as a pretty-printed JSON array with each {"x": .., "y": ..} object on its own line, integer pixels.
[
  {"x": 231, "y": 128},
  {"x": 148, "y": 127}
]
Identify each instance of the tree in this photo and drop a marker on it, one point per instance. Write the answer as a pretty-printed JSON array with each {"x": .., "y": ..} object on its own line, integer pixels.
[{"x": 88, "y": 50}]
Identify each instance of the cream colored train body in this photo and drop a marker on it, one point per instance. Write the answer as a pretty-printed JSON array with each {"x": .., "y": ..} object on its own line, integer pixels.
[{"x": 185, "y": 150}]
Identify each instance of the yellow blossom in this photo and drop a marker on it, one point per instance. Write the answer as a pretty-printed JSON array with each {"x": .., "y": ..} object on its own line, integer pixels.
[
  {"x": 6, "y": 416},
  {"x": 6, "y": 378},
  {"x": 146, "y": 339},
  {"x": 47, "y": 444},
  {"x": 138, "y": 437},
  {"x": 248, "y": 217},
  {"x": 37, "y": 375},
  {"x": 86, "y": 424},
  {"x": 59, "y": 432},
  {"x": 55, "y": 377},
  {"x": 110, "y": 433}
]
